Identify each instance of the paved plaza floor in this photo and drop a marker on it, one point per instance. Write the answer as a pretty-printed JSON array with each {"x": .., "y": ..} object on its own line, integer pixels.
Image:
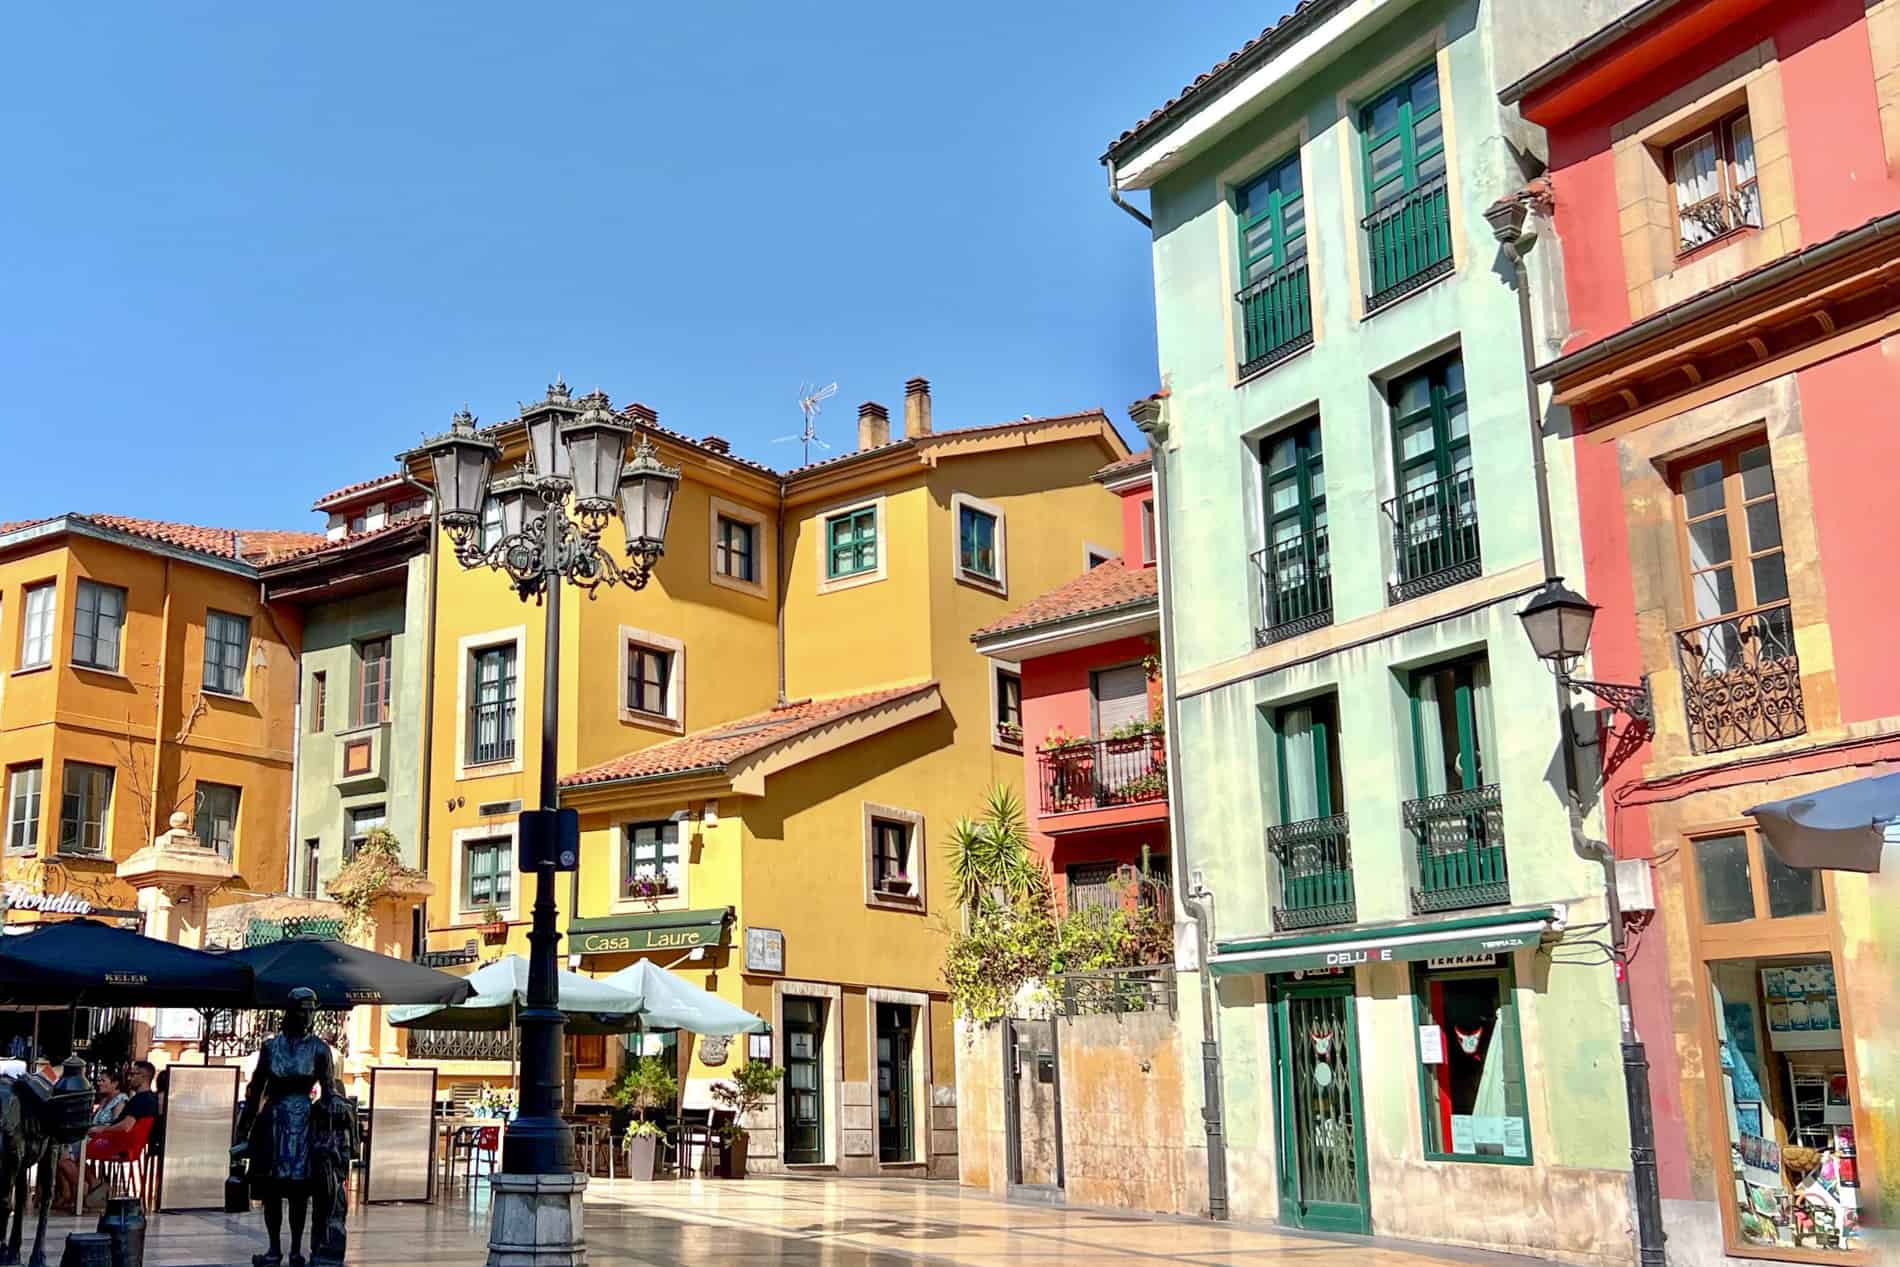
[{"x": 803, "y": 1223}]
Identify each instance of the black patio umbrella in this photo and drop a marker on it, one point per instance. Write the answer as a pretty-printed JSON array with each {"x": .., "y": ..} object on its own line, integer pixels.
[
  {"x": 83, "y": 963},
  {"x": 342, "y": 975}
]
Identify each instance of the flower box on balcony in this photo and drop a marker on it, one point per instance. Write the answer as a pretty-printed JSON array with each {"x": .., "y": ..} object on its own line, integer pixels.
[{"x": 494, "y": 932}]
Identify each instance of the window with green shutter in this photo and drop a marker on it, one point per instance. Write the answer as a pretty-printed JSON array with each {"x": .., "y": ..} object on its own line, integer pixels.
[
  {"x": 1295, "y": 567},
  {"x": 1435, "y": 513},
  {"x": 1456, "y": 815},
  {"x": 851, "y": 543},
  {"x": 1311, "y": 842},
  {"x": 1408, "y": 220},
  {"x": 1276, "y": 305}
]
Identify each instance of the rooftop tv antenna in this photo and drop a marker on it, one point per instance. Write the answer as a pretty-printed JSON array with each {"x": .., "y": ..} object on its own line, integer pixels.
[{"x": 810, "y": 400}]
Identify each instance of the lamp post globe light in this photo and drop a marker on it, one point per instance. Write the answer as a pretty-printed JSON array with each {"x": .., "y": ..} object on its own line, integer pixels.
[{"x": 553, "y": 511}]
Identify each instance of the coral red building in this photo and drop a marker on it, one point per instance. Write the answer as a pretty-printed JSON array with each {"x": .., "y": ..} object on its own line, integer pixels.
[
  {"x": 1723, "y": 186},
  {"x": 1077, "y": 690}
]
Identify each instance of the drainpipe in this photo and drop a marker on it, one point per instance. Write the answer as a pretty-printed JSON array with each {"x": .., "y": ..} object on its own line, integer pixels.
[
  {"x": 428, "y": 695},
  {"x": 1507, "y": 226},
  {"x": 1115, "y": 196},
  {"x": 1149, "y": 416},
  {"x": 778, "y": 577}
]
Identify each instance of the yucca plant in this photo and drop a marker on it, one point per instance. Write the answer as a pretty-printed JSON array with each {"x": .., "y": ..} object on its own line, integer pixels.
[{"x": 990, "y": 858}]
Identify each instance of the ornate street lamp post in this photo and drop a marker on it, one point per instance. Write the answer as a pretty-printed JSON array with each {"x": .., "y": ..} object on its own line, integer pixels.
[{"x": 576, "y": 449}]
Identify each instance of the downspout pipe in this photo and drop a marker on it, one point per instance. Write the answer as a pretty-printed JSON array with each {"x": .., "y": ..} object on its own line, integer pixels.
[
  {"x": 1507, "y": 225},
  {"x": 428, "y": 699},
  {"x": 1115, "y": 196},
  {"x": 1150, "y": 416}
]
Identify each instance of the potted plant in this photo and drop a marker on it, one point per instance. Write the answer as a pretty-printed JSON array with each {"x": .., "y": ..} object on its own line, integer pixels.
[
  {"x": 493, "y": 928},
  {"x": 752, "y": 1087},
  {"x": 644, "y": 1084}
]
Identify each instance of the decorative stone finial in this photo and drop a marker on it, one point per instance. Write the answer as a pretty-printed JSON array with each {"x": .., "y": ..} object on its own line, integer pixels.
[
  {"x": 557, "y": 390},
  {"x": 179, "y": 820},
  {"x": 463, "y": 420}
]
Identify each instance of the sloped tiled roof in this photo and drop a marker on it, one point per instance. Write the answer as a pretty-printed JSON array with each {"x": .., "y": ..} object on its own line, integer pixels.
[
  {"x": 324, "y": 544},
  {"x": 721, "y": 746},
  {"x": 258, "y": 545},
  {"x": 1083, "y": 415},
  {"x": 1127, "y": 466},
  {"x": 1105, "y": 588},
  {"x": 642, "y": 418},
  {"x": 1254, "y": 51},
  {"x": 349, "y": 491}
]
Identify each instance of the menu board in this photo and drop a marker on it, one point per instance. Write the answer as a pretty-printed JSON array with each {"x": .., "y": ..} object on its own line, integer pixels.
[{"x": 1804, "y": 1011}]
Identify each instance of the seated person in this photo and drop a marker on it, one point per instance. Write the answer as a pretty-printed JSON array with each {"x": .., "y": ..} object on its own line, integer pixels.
[{"x": 112, "y": 1100}]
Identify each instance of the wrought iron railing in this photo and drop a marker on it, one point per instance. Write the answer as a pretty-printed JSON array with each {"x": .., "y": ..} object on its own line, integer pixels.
[
  {"x": 1112, "y": 887},
  {"x": 1114, "y": 991},
  {"x": 240, "y": 1033},
  {"x": 1434, "y": 536},
  {"x": 458, "y": 1044},
  {"x": 491, "y": 732},
  {"x": 1294, "y": 579},
  {"x": 1276, "y": 317},
  {"x": 263, "y": 932},
  {"x": 1093, "y": 773},
  {"x": 1315, "y": 859},
  {"x": 1741, "y": 679},
  {"x": 1460, "y": 850},
  {"x": 1408, "y": 243}
]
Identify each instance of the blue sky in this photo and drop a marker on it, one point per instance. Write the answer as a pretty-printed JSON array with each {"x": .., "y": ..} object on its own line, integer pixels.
[{"x": 252, "y": 250}]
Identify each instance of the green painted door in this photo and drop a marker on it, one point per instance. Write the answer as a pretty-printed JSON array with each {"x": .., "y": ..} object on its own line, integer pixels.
[
  {"x": 1316, "y": 1067},
  {"x": 896, "y": 1122},
  {"x": 804, "y": 1080},
  {"x": 1299, "y": 574}
]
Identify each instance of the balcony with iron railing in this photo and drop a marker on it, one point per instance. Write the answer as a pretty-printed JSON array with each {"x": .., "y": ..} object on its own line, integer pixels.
[
  {"x": 1408, "y": 243},
  {"x": 1099, "y": 773},
  {"x": 491, "y": 732},
  {"x": 1434, "y": 536},
  {"x": 1741, "y": 679},
  {"x": 455, "y": 1044},
  {"x": 1459, "y": 838},
  {"x": 1293, "y": 580},
  {"x": 1315, "y": 863},
  {"x": 1276, "y": 317}
]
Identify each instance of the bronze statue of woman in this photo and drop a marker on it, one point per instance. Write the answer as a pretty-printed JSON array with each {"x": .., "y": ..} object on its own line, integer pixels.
[{"x": 275, "y": 1131}]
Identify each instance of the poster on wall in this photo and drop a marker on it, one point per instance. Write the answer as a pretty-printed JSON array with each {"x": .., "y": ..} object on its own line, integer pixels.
[
  {"x": 1803, "y": 1010},
  {"x": 1514, "y": 1142},
  {"x": 177, "y": 1024},
  {"x": 1462, "y": 1140},
  {"x": 1431, "y": 1045},
  {"x": 1761, "y": 1161}
]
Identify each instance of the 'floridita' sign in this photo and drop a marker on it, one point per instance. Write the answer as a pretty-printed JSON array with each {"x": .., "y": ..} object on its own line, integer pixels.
[{"x": 14, "y": 897}]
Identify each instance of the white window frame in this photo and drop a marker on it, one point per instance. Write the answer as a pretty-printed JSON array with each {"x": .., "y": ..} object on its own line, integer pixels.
[
  {"x": 43, "y": 637},
  {"x": 105, "y": 812},
  {"x": 998, "y": 584},
  {"x": 826, "y": 584},
  {"x": 1150, "y": 529},
  {"x": 466, "y": 648},
  {"x": 915, "y": 865},
  {"x": 719, "y": 508},
  {"x": 997, "y": 669},
  {"x": 35, "y": 797},
  {"x": 683, "y": 826},
  {"x": 459, "y": 841},
  {"x": 673, "y": 720},
  {"x": 1094, "y": 556}
]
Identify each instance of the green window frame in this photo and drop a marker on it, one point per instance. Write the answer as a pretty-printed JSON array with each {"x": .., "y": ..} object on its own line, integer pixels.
[
  {"x": 1328, "y": 791},
  {"x": 851, "y": 543},
  {"x": 1466, "y": 764},
  {"x": 1442, "y": 1085},
  {"x": 1402, "y": 138},
  {"x": 1270, "y": 212},
  {"x": 1299, "y": 566},
  {"x": 653, "y": 853},
  {"x": 734, "y": 549},
  {"x": 488, "y": 874},
  {"x": 1431, "y": 425}
]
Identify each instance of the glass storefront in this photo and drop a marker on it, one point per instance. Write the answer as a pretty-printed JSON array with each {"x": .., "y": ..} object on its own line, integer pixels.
[{"x": 1472, "y": 1067}]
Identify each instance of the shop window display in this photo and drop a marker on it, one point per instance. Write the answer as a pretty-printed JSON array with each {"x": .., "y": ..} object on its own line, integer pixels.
[
  {"x": 1471, "y": 1067},
  {"x": 1788, "y": 1101}
]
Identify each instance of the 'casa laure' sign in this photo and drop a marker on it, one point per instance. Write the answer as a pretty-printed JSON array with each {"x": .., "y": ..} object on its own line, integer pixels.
[
  {"x": 15, "y": 897},
  {"x": 677, "y": 930}
]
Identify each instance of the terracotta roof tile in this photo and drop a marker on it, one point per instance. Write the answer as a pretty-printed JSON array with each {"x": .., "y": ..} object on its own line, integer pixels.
[
  {"x": 1127, "y": 466},
  {"x": 349, "y": 491},
  {"x": 953, "y": 432},
  {"x": 257, "y": 545},
  {"x": 323, "y": 543},
  {"x": 719, "y": 746},
  {"x": 1105, "y": 588},
  {"x": 1254, "y": 49}
]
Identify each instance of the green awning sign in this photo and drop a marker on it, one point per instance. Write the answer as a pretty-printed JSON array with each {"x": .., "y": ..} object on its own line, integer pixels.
[
  {"x": 1394, "y": 943},
  {"x": 662, "y": 930}
]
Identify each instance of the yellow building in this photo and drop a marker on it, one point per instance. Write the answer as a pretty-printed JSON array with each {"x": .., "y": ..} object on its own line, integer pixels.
[
  {"x": 141, "y": 676},
  {"x": 763, "y": 812}
]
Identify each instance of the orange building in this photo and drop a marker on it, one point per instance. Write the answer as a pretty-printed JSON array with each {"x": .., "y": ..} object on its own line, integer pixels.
[{"x": 141, "y": 676}]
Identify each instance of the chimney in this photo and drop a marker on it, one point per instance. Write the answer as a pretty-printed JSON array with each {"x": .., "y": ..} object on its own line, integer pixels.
[
  {"x": 916, "y": 408},
  {"x": 642, "y": 414},
  {"x": 874, "y": 425},
  {"x": 718, "y": 444}
]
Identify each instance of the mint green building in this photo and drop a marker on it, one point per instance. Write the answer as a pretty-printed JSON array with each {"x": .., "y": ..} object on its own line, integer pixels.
[{"x": 1416, "y": 1020}]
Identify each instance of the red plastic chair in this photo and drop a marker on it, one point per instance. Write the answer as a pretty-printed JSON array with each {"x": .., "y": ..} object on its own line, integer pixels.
[{"x": 122, "y": 1157}]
